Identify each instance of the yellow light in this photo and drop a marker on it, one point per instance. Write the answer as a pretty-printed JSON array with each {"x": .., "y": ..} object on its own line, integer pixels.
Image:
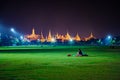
[{"x": 53, "y": 40}]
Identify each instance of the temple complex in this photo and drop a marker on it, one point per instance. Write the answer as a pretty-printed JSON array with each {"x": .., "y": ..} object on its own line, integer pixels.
[
  {"x": 32, "y": 36},
  {"x": 90, "y": 37},
  {"x": 59, "y": 37}
]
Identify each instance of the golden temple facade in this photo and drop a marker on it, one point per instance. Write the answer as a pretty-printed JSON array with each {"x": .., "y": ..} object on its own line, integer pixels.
[
  {"x": 32, "y": 36},
  {"x": 90, "y": 37},
  {"x": 50, "y": 38}
]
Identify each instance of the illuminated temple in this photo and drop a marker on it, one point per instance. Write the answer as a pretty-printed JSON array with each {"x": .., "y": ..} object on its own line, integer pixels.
[
  {"x": 32, "y": 36},
  {"x": 77, "y": 37},
  {"x": 90, "y": 37},
  {"x": 50, "y": 38}
]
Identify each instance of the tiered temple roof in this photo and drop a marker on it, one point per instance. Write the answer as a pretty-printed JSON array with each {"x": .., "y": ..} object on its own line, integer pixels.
[
  {"x": 32, "y": 36},
  {"x": 67, "y": 36},
  {"x": 77, "y": 37},
  {"x": 90, "y": 37},
  {"x": 49, "y": 38}
]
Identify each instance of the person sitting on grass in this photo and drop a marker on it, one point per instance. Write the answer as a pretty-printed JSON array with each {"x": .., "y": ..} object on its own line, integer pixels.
[{"x": 80, "y": 53}]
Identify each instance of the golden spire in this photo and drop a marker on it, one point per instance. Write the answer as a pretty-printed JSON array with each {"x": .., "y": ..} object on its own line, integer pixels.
[
  {"x": 33, "y": 31},
  {"x": 49, "y": 38},
  {"x": 33, "y": 36},
  {"x": 49, "y": 35},
  {"x": 77, "y": 37},
  {"x": 91, "y": 35},
  {"x": 42, "y": 38},
  {"x": 67, "y": 36}
]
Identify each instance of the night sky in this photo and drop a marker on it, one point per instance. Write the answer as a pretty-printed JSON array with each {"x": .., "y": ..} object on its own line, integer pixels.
[{"x": 100, "y": 17}]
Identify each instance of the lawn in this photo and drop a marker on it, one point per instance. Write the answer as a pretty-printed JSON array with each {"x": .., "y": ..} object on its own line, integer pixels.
[{"x": 52, "y": 63}]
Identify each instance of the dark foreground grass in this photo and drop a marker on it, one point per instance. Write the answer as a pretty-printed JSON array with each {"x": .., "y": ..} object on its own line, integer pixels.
[{"x": 52, "y": 63}]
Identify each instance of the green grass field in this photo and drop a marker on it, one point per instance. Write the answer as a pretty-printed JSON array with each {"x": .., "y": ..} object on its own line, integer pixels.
[{"x": 52, "y": 63}]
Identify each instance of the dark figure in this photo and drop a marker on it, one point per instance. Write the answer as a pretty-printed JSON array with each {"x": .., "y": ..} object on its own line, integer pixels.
[{"x": 80, "y": 52}]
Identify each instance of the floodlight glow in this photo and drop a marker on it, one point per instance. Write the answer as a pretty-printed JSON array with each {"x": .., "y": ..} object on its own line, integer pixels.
[
  {"x": 21, "y": 37},
  {"x": 12, "y": 30},
  {"x": 71, "y": 40},
  {"x": 109, "y": 37},
  {"x": 38, "y": 40},
  {"x": 28, "y": 40},
  {"x": 108, "y": 40},
  {"x": 53, "y": 40}
]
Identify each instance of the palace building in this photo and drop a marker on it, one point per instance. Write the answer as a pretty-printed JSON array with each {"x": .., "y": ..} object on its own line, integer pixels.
[
  {"x": 32, "y": 36},
  {"x": 59, "y": 37},
  {"x": 90, "y": 37}
]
